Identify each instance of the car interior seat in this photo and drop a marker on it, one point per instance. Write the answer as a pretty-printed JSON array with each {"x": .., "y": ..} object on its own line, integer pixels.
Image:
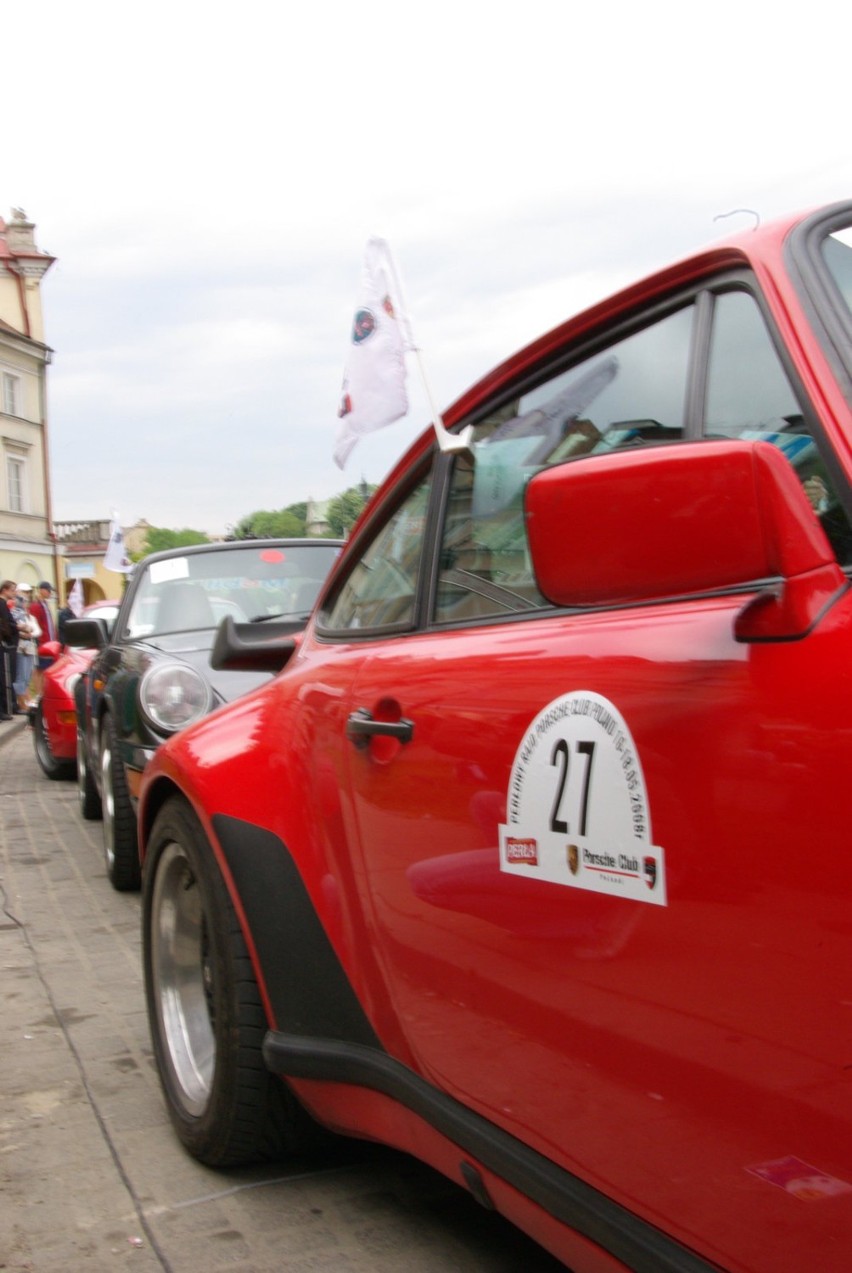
[{"x": 184, "y": 607}]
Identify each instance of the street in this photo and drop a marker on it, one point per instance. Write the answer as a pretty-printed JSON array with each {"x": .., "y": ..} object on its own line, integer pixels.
[{"x": 91, "y": 1174}]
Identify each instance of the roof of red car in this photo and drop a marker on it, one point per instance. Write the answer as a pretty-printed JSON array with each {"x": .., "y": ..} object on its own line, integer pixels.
[{"x": 757, "y": 246}]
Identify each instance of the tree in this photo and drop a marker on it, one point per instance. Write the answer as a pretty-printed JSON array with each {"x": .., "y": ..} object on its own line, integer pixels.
[
  {"x": 159, "y": 538},
  {"x": 344, "y": 509},
  {"x": 285, "y": 523}
]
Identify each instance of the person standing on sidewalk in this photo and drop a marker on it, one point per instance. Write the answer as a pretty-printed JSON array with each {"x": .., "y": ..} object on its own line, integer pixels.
[
  {"x": 28, "y": 635},
  {"x": 41, "y": 612},
  {"x": 8, "y": 648}
]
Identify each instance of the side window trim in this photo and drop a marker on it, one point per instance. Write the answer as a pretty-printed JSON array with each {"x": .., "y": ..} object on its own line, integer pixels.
[
  {"x": 818, "y": 293},
  {"x": 696, "y": 392}
]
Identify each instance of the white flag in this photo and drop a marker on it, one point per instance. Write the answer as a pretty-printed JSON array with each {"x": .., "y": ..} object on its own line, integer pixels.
[
  {"x": 76, "y": 600},
  {"x": 374, "y": 393},
  {"x": 115, "y": 557}
]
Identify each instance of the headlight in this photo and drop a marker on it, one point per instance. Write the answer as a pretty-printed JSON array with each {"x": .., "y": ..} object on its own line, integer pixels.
[{"x": 173, "y": 695}]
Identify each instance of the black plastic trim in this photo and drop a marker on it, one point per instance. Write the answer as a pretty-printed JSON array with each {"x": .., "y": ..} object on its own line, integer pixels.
[
  {"x": 636, "y": 1243},
  {"x": 308, "y": 988},
  {"x": 249, "y": 647}
]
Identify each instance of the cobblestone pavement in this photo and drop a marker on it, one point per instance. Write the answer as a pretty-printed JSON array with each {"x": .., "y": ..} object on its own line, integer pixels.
[{"x": 91, "y": 1176}]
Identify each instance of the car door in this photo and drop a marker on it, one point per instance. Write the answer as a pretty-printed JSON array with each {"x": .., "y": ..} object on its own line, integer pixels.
[{"x": 661, "y": 1008}]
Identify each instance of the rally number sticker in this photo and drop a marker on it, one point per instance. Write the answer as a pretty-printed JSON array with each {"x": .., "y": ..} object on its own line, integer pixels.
[{"x": 577, "y": 809}]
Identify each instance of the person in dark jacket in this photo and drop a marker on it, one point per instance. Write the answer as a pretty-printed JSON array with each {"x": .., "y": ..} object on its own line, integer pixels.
[{"x": 8, "y": 649}]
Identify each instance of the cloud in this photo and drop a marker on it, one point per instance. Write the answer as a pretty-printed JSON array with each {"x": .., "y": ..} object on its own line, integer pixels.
[{"x": 207, "y": 187}]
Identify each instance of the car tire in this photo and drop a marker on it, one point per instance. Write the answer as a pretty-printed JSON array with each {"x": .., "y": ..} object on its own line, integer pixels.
[
  {"x": 204, "y": 1009},
  {"x": 51, "y": 765},
  {"x": 87, "y": 792},
  {"x": 121, "y": 848}
]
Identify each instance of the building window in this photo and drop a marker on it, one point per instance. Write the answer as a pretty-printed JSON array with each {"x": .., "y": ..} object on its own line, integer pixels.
[
  {"x": 11, "y": 394},
  {"x": 16, "y": 470}
]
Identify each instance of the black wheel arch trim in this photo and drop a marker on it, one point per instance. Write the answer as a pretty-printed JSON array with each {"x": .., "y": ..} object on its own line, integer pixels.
[
  {"x": 639, "y": 1245},
  {"x": 289, "y": 938}
]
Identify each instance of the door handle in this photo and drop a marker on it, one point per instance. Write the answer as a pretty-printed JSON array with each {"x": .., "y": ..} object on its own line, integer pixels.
[{"x": 361, "y": 727}]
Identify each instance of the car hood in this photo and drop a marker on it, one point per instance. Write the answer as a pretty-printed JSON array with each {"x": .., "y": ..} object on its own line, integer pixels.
[{"x": 194, "y": 648}]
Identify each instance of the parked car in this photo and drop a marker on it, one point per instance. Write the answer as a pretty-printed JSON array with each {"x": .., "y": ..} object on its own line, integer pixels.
[
  {"x": 151, "y": 675},
  {"x": 53, "y": 718},
  {"x": 534, "y": 859}
]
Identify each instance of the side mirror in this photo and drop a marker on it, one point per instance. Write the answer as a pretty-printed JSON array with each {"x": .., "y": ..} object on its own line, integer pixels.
[
  {"x": 696, "y": 517},
  {"x": 87, "y": 634}
]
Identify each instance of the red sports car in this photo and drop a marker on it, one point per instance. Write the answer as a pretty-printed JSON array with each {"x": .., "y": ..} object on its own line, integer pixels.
[
  {"x": 53, "y": 718},
  {"x": 532, "y": 861}
]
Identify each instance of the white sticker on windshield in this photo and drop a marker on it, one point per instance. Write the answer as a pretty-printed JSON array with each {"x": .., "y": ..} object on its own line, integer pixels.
[
  {"x": 173, "y": 568},
  {"x": 577, "y": 806}
]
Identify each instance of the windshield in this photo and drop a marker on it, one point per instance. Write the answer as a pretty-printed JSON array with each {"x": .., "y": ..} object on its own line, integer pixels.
[{"x": 250, "y": 582}]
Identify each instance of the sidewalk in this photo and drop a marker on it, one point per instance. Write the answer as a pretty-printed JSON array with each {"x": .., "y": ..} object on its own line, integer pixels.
[
  {"x": 91, "y": 1174},
  {"x": 10, "y": 729}
]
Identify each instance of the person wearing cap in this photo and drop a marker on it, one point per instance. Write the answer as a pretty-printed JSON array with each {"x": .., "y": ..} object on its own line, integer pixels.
[{"x": 41, "y": 612}]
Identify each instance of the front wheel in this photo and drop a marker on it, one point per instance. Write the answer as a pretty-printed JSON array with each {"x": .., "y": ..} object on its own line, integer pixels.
[
  {"x": 53, "y": 766},
  {"x": 120, "y": 844},
  {"x": 204, "y": 1009},
  {"x": 87, "y": 792}
]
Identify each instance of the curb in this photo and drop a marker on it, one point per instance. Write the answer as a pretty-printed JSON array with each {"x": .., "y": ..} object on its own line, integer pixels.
[{"x": 9, "y": 729}]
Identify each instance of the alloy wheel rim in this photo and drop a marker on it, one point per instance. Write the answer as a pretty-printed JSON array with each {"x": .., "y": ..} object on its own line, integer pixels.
[
  {"x": 81, "y": 769},
  {"x": 182, "y": 979},
  {"x": 42, "y": 740},
  {"x": 108, "y": 804}
]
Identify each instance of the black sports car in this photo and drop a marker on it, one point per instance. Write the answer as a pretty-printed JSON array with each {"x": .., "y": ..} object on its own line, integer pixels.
[{"x": 153, "y": 672}]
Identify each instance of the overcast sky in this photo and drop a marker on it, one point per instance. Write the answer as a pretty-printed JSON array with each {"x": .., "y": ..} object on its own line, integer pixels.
[{"x": 207, "y": 178}]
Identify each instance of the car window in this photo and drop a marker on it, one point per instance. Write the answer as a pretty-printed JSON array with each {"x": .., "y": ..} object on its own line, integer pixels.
[
  {"x": 380, "y": 590},
  {"x": 632, "y": 394},
  {"x": 251, "y": 583},
  {"x": 750, "y": 396},
  {"x": 837, "y": 253}
]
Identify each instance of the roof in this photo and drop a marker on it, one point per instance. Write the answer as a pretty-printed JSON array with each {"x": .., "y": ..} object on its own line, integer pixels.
[
  {"x": 27, "y": 251},
  {"x": 228, "y": 545}
]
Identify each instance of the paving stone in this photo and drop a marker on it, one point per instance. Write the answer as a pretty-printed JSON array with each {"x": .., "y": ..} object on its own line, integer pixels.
[{"x": 92, "y": 1176}]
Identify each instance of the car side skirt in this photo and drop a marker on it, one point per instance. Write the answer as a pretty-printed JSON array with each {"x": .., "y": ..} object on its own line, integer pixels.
[
  {"x": 329, "y": 1039},
  {"x": 629, "y": 1239}
]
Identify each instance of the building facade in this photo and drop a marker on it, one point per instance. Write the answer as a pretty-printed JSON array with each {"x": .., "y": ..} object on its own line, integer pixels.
[
  {"x": 28, "y": 550},
  {"x": 82, "y": 546}
]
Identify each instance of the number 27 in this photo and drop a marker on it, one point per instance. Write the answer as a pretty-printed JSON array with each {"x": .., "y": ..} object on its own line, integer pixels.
[{"x": 560, "y": 756}]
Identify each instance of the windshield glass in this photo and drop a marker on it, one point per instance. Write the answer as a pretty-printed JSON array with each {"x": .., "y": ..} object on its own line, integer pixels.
[
  {"x": 251, "y": 582},
  {"x": 109, "y": 614}
]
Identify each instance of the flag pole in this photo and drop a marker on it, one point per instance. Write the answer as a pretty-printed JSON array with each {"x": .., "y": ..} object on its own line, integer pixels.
[{"x": 449, "y": 442}]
